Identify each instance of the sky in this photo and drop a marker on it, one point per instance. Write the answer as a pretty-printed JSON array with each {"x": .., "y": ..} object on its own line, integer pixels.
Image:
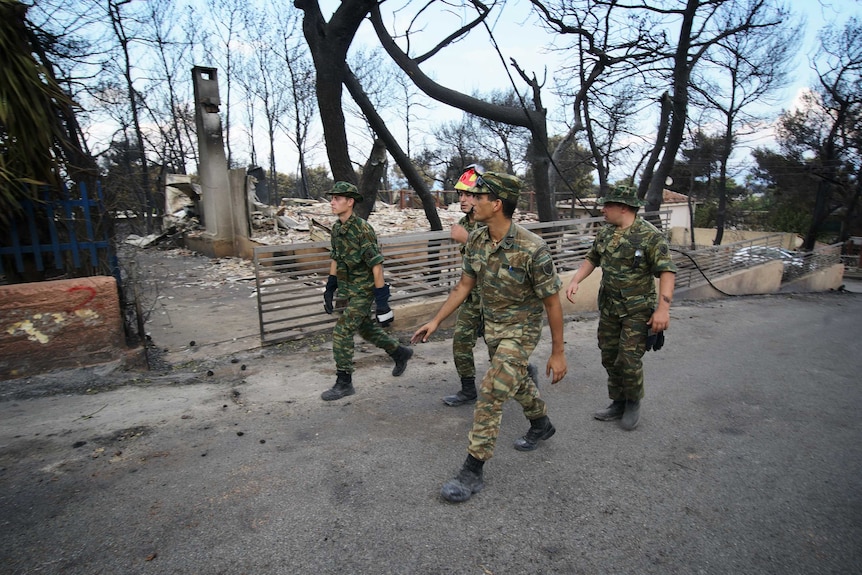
[{"x": 474, "y": 64}]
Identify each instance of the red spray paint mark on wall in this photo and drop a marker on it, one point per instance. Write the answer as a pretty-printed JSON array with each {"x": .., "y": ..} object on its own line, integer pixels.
[{"x": 88, "y": 296}]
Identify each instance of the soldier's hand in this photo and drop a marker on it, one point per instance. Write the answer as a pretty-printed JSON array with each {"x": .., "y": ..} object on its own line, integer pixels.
[
  {"x": 423, "y": 333},
  {"x": 572, "y": 290},
  {"x": 557, "y": 367},
  {"x": 459, "y": 233},
  {"x": 329, "y": 293},
  {"x": 659, "y": 320}
]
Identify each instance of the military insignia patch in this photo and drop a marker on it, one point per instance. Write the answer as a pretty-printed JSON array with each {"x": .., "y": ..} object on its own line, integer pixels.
[{"x": 544, "y": 260}]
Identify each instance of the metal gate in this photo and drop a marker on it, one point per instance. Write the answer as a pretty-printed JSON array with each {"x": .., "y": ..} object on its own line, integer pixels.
[{"x": 291, "y": 278}]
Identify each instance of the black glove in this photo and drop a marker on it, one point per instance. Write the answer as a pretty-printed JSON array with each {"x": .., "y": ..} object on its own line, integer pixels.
[
  {"x": 329, "y": 293},
  {"x": 381, "y": 301},
  {"x": 654, "y": 341}
]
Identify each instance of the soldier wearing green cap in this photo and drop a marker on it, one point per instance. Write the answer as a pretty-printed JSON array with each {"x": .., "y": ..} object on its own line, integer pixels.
[
  {"x": 468, "y": 322},
  {"x": 356, "y": 271},
  {"x": 631, "y": 253},
  {"x": 516, "y": 278}
]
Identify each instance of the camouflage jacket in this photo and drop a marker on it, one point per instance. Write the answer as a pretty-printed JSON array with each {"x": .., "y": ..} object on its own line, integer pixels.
[
  {"x": 630, "y": 260},
  {"x": 512, "y": 278},
  {"x": 469, "y": 226},
  {"x": 473, "y": 298},
  {"x": 356, "y": 252}
]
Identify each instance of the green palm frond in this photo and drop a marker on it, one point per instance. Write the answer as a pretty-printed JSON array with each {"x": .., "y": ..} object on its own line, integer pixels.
[{"x": 32, "y": 136}]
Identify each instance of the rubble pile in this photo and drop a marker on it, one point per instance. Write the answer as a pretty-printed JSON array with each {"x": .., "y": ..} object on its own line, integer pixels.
[
  {"x": 182, "y": 267},
  {"x": 300, "y": 221},
  {"x": 308, "y": 221}
]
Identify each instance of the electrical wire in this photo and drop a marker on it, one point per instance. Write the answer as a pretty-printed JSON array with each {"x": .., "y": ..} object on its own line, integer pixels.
[
  {"x": 559, "y": 172},
  {"x": 703, "y": 273},
  {"x": 530, "y": 121}
]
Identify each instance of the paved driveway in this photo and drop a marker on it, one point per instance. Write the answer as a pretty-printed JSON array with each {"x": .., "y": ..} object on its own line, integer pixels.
[{"x": 747, "y": 460}]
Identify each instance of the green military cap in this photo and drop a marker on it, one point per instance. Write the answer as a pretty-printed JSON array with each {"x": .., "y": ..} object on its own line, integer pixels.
[
  {"x": 622, "y": 195},
  {"x": 345, "y": 189},
  {"x": 506, "y": 187}
]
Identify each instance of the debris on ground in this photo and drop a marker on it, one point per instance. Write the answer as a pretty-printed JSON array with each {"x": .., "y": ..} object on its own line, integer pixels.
[
  {"x": 305, "y": 220},
  {"x": 302, "y": 220},
  {"x": 299, "y": 220}
]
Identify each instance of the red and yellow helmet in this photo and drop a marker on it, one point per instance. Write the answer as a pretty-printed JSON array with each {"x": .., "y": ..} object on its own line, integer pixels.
[{"x": 468, "y": 179}]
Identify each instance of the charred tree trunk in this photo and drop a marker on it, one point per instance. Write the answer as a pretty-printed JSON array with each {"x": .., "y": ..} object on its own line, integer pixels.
[
  {"x": 410, "y": 172},
  {"x": 328, "y": 43}
]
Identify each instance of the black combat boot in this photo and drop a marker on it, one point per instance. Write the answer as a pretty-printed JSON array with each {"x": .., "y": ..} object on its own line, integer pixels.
[
  {"x": 401, "y": 356},
  {"x": 540, "y": 429},
  {"x": 632, "y": 414},
  {"x": 342, "y": 388},
  {"x": 614, "y": 411},
  {"x": 467, "y": 394},
  {"x": 468, "y": 481}
]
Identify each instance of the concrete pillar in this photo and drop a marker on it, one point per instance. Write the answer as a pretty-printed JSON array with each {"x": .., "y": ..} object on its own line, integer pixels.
[
  {"x": 239, "y": 203},
  {"x": 215, "y": 187}
]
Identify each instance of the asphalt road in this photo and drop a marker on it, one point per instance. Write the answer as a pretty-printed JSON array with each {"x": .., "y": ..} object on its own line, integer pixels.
[{"x": 747, "y": 460}]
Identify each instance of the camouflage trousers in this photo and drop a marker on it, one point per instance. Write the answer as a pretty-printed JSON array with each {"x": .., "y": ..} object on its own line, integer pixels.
[
  {"x": 506, "y": 378},
  {"x": 622, "y": 341},
  {"x": 356, "y": 318},
  {"x": 467, "y": 327}
]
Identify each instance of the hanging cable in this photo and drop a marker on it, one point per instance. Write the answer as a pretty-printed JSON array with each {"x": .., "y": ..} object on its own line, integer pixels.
[
  {"x": 559, "y": 172},
  {"x": 590, "y": 210},
  {"x": 557, "y": 168},
  {"x": 703, "y": 273}
]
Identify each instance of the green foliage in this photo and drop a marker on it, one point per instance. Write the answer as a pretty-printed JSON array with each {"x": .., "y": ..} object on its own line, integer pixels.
[
  {"x": 32, "y": 141},
  {"x": 785, "y": 218},
  {"x": 697, "y": 173},
  {"x": 789, "y": 188},
  {"x": 426, "y": 163},
  {"x": 319, "y": 183},
  {"x": 705, "y": 214},
  {"x": 818, "y": 171},
  {"x": 576, "y": 169}
]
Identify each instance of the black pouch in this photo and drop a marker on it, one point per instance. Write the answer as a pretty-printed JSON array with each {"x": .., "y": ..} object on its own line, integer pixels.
[{"x": 654, "y": 341}]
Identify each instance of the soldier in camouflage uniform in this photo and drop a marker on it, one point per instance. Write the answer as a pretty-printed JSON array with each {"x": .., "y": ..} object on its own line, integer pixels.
[
  {"x": 468, "y": 323},
  {"x": 515, "y": 275},
  {"x": 631, "y": 253},
  {"x": 356, "y": 271}
]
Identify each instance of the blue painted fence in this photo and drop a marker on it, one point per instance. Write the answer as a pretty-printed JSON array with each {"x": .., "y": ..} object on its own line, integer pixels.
[{"x": 67, "y": 234}]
